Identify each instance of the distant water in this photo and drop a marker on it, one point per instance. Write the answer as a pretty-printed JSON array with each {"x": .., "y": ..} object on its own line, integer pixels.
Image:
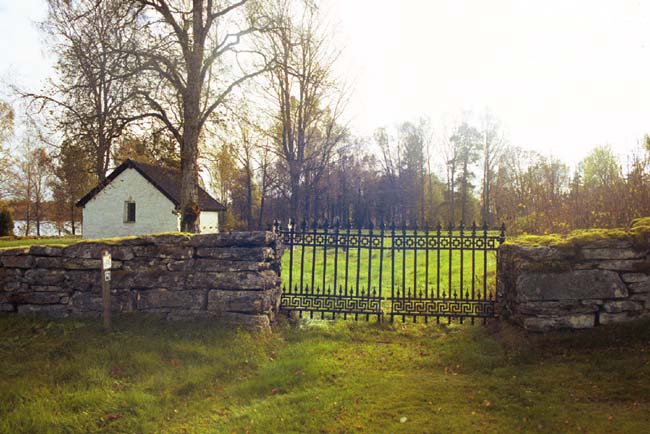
[{"x": 48, "y": 229}]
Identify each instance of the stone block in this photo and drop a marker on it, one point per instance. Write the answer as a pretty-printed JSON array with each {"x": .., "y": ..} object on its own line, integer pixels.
[
  {"x": 622, "y": 306},
  {"x": 55, "y": 310},
  {"x": 93, "y": 250},
  {"x": 17, "y": 261},
  {"x": 203, "y": 264},
  {"x": 254, "y": 254},
  {"x": 121, "y": 301},
  {"x": 81, "y": 280},
  {"x": 14, "y": 252},
  {"x": 52, "y": 251},
  {"x": 36, "y": 297},
  {"x": 544, "y": 324},
  {"x": 149, "y": 279},
  {"x": 243, "y": 301},
  {"x": 635, "y": 277},
  {"x": 55, "y": 262},
  {"x": 570, "y": 285},
  {"x": 82, "y": 264},
  {"x": 611, "y": 253},
  {"x": 608, "y": 243},
  {"x": 620, "y": 317},
  {"x": 243, "y": 280},
  {"x": 640, "y": 287},
  {"x": 40, "y": 276},
  {"x": 7, "y": 307},
  {"x": 164, "y": 251},
  {"x": 165, "y": 298},
  {"x": 533, "y": 308},
  {"x": 621, "y": 265}
]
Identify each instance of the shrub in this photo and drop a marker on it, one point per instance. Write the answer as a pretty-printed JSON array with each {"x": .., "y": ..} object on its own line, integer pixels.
[{"x": 6, "y": 223}]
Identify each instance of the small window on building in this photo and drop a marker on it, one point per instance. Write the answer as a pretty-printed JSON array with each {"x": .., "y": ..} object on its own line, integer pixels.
[{"x": 129, "y": 212}]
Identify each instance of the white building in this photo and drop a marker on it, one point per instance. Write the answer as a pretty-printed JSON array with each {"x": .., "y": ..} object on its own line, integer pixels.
[{"x": 139, "y": 198}]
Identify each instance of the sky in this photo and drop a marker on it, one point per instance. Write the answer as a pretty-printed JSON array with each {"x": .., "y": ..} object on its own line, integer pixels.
[{"x": 562, "y": 75}]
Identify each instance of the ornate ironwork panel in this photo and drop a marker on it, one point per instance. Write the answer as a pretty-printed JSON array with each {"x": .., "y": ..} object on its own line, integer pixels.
[{"x": 331, "y": 271}]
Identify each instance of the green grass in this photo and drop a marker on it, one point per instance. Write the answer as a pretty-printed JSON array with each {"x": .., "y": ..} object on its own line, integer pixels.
[
  {"x": 15, "y": 242},
  {"x": 410, "y": 271},
  {"x": 151, "y": 376}
]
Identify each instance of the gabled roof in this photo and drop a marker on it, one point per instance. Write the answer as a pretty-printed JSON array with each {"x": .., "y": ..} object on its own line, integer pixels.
[{"x": 167, "y": 181}]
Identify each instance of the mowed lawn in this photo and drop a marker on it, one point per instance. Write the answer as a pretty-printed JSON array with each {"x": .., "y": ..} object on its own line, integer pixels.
[
  {"x": 152, "y": 376},
  {"x": 431, "y": 275}
]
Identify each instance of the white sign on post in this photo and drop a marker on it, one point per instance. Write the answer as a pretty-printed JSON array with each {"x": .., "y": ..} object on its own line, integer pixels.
[
  {"x": 107, "y": 276},
  {"x": 106, "y": 261}
]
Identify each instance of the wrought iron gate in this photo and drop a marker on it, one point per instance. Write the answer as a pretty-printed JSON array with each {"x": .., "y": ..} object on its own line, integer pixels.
[{"x": 406, "y": 273}]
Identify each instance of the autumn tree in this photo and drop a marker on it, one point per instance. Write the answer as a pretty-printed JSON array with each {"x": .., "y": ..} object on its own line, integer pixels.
[
  {"x": 89, "y": 101},
  {"x": 6, "y": 131}
]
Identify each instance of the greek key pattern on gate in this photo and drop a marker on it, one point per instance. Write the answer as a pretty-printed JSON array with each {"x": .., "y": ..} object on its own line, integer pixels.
[
  {"x": 331, "y": 303},
  {"x": 443, "y": 307}
]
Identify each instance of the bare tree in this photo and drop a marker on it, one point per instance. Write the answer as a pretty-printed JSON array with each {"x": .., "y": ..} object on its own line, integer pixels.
[
  {"x": 308, "y": 101},
  {"x": 189, "y": 50},
  {"x": 89, "y": 100}
]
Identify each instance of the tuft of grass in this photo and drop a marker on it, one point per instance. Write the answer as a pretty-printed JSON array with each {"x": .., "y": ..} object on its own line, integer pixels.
[{"x": 330, "y": 377}]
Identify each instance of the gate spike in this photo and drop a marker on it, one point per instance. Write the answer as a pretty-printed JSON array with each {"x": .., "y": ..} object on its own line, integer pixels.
[{"x": 340, "y": 289}]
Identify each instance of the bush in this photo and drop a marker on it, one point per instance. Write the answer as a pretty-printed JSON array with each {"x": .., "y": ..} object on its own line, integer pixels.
[{"x": 6, "y": 223}]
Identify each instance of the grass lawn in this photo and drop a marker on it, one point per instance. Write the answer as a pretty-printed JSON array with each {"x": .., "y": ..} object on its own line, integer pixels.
[
  {"x": 376, "y": 270},
  {"x": 343, "y": 377},
  {"x": 13, "y": 242}
]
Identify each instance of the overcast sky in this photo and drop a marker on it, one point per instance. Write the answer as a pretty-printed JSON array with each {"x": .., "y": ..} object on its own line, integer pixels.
[{"x": 562, "y": 75}]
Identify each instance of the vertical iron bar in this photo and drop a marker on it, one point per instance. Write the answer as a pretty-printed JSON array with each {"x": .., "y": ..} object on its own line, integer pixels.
[
  {"x": 313, "y": 262},
  {"x": 426, "y": 260},
  {"x": 356, "y": 315},
  {"x": 415, "y": 265},
  {"x": 451, "y": 240},
  {"x": 324, "y": 256},
  {"x": 291, "y": 242},
  {"x": 336, "y": 255},
  {"x": 303, "y": 231},
  {"x": 403, "y": 267},
  {"x": 462, "y": 260},
  {"x": 381, "y": 266},
  {"x": 371, "y": 227},
  {"x": 392, "y": 270},
  {"x": 438, "y": 229},
  {"x": 473, "y": 262}
]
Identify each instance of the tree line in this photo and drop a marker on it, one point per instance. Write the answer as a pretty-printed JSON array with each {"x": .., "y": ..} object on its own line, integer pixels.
[{"x": 243, "y": 97}]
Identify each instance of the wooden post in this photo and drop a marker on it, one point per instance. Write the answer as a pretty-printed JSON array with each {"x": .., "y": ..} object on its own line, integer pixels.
[{"x": 106, "y": 290}]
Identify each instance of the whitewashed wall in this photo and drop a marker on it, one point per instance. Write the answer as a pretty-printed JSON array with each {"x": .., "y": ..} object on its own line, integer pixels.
[
  {"x": 209, "y": 222},
  {"x": 103, "y": 215}
]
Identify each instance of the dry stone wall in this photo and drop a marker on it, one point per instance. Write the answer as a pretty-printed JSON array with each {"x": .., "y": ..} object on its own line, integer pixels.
[
  {"x": 582, "y": 285},
  {"x": 233, "y": 277}
]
